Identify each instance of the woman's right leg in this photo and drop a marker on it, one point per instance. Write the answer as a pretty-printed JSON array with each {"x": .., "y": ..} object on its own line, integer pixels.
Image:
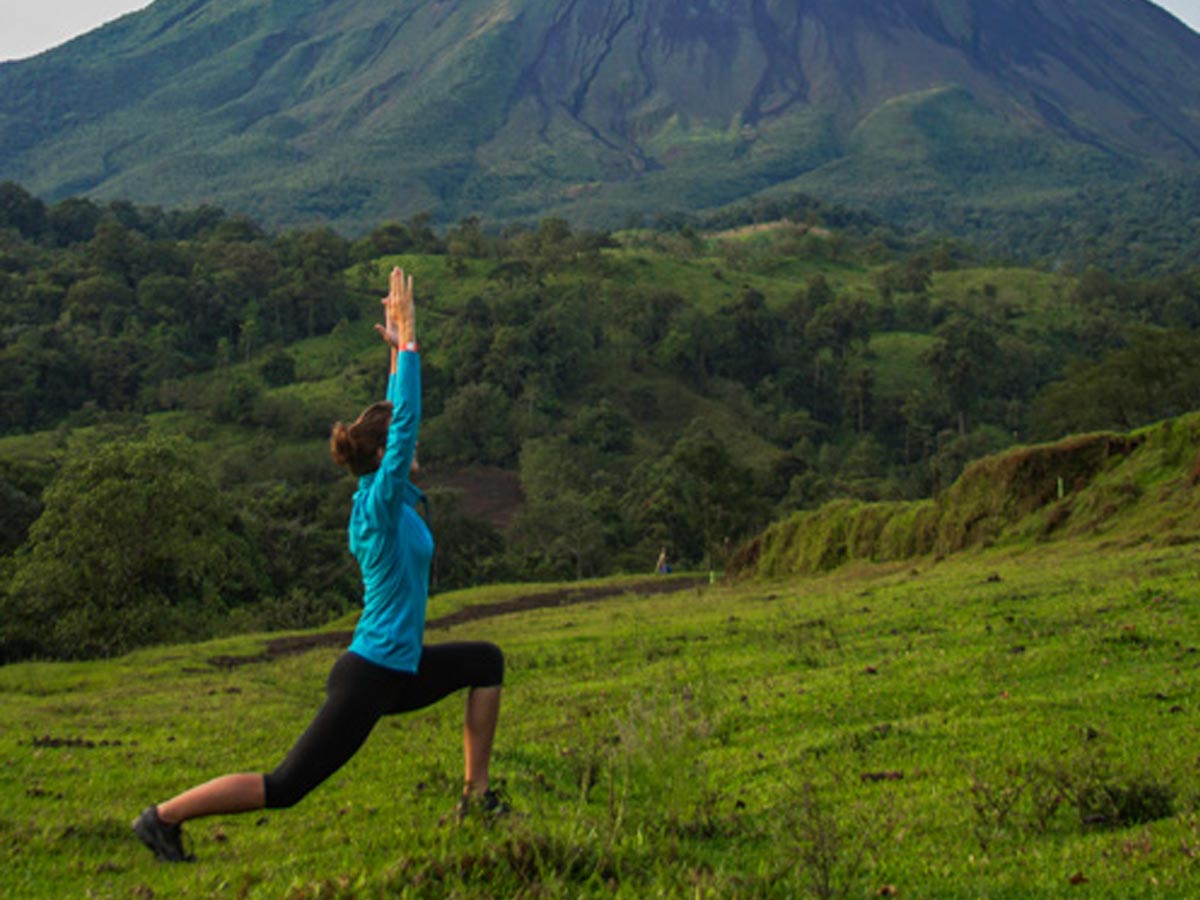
[
  {"x": 227, "y": 794},
  {"x": 340, "y": 728}
]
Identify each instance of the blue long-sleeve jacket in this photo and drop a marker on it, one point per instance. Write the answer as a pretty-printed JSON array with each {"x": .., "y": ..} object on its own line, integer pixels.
[{"x": 390, "y": 540}]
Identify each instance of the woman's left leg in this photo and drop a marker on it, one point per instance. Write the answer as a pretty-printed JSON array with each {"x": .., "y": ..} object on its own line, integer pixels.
[
  {"x": 479, "y": 727},
  {"x": 450, "y": 667}
]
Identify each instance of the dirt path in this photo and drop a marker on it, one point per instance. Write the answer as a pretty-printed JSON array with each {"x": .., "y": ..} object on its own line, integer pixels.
[{"x": 284, "y": 646}]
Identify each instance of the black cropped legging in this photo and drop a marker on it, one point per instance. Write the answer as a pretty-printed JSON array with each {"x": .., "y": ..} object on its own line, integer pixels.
[{"x": 359, "y": 693}]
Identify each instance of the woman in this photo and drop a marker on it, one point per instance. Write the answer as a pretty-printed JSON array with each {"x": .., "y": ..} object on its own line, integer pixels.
[{"x": 387, "y": 670}]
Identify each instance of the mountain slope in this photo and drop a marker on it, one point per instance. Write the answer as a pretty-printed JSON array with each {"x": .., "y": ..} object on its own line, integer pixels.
[{"x": 365, "y": 109}]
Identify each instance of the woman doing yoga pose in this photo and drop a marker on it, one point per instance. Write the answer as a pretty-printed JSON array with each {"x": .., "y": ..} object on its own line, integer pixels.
[{"x": 387, "y": 669}]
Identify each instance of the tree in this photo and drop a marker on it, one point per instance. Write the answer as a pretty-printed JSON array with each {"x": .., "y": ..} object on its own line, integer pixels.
[
  {"x": 388, "y": 239},
  {"x": 40, "y": 379},
  {"x": 475, "y": 427},
  {"x": 603, "y": 427},
  {"x": 817, "y": 293},
  {"x": 550, "y": 466},
  {"x": 298, "y": 528},
  {"x": 19, "y": 508},
  {"x": 465, "y": 341},
  {"x": 114, "y": 249},
  {"x": 320, "y": 252},
  {"x": 74, "y": 220},
  {"x": 21, "y": 210},
  {"x": 114, "y": 367},
  {"x": 160, "y": 298},
  {"x": 243, "y": 271},
  {"x": 467, "y": 551},
  {"x": 467, "y": 241},
  {"x": 961, "y": 362},
  {"x": 189, "y": 224},
  {"x": 232, "y": 399},
  {"x": 694, "y": 497},
  {"x": 235, "y": 230},
  {"x": 646, "y": 313},
  {"x": 510, "y": 359},
  {"x": 101, "y": 302},
  {"x": 688, "y": 348},
  {"x": 561, "y": 339},
  {"x": 840, "y": 325},
  {"x": 132, "y": 547},
  {"x": 1156, "y": 377},
  {"x": 924, "y": 413},
  {"x": 749, "y": 336},
  {"x": 513, "y": 272},
  {"x": 836, "y": 327},
  {"x": 857, "y": 389},
  {"x": 913, "y": 276},
  {"x": 424, "y": 240},
  {"x": 560, "y": 536},
  {"x": 861, "y": 468}
]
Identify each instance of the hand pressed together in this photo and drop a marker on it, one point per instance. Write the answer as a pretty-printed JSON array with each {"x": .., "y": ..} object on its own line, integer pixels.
[{"x": 399, "y": 328}]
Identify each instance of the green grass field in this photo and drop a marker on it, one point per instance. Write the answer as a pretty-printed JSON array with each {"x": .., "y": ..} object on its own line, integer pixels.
[
  {"x": 1012, "y": 723},
  {"x": 1009, "y": 724}
]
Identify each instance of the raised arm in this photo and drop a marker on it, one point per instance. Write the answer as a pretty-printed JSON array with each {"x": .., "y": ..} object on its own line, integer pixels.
[{"x": 404, "y": 388}]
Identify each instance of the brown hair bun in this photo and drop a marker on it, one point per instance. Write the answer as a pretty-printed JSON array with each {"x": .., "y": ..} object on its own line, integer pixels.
[{"x": 357, "y": 446}]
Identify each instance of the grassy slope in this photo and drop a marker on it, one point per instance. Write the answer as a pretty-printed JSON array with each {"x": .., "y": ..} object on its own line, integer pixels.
[
  {"x": 1129, "y": 489},
  {"x": 661, "y": 747}
]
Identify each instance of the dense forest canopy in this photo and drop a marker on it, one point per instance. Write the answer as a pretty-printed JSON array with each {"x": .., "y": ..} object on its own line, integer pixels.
[{"x": 168, "y": 379}]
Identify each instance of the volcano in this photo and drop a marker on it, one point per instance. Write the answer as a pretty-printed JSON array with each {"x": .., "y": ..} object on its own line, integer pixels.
[{"x": 354, "y": 112}]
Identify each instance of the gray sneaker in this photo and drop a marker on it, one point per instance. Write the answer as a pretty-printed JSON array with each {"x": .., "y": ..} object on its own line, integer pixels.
[
  {"x": 165, "y": 841},
  {"x": 489, "y": 805}
]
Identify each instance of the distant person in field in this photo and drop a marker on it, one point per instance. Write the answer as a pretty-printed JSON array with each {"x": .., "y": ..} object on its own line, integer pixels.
[
  {"x": 662, "y": 567},
  {"x": 387, "y": 669}
]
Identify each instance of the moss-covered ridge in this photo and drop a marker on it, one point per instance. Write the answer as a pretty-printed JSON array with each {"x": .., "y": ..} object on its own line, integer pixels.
[{"x": 1137, "y": 486}]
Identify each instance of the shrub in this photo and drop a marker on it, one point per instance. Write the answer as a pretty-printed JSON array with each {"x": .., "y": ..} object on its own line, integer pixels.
[{"x": 278, "y": 369}]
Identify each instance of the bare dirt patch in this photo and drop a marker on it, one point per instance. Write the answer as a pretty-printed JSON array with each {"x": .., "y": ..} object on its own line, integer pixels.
[
  {"x": 488, "y": 493},
  {"x": 74, "y": 743},
  {"x": 285, "y": 646}
]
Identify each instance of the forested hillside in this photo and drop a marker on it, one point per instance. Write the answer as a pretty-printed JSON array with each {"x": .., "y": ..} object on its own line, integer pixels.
[{"x": 168, "y": 379}]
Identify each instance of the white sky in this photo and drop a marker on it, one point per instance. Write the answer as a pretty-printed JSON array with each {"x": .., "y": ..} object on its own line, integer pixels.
[{"x": 31, "y": 26}]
